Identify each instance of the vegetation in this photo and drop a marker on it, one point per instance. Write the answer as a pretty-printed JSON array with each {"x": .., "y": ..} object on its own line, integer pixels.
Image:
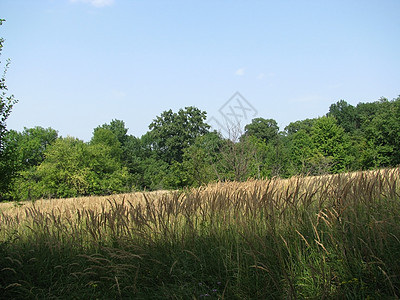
[
  {"x": 326, "y": 237},
  {"x": 180, "y": 151},
  {"x": 6, "y": 104},
  {"x": 225, "y": 231}
]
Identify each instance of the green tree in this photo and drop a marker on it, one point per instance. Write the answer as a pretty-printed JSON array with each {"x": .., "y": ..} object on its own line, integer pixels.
[
  {"x": 365, "y": 113},
  {"x": 153, "y": 174},
  {"x": 260, "y": 163},
  {"x": 263, "y": 129},
  {"x": 6, "y": 101},
  {"x": 302, "y": 150},
  {"x": 171, "y": 132},
  {"x": 117, "y": 127},
  {"x": 110, "y": 160},
  {"x": 133, "y": 155},
  {"x": 107, "y": 173},
  {"x": 345, "y": 114},
  {"x": 238, "y": 158},
  {"x": 330, "y": 140},
  {"x": 63, "y": 173},
  {"x": 6, "y": 104},
  {"x": 305, "y": 157},
  {"x": 147, "y": 170},
  {"x": 31, "y": 144},
  {"x": 106, "y": 137},
  {"x": 277, "y": 158},
  {"x": 201, "y": 159},
  {"x": 380, "y": 124},
  {"x": 73, "y": 168},
  {"x": 305, "y": 125},
  {"x": 28, "y": 151}
]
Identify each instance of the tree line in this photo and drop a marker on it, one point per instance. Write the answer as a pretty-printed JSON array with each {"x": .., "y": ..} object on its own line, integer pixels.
[{"x": 180, "y": 150}]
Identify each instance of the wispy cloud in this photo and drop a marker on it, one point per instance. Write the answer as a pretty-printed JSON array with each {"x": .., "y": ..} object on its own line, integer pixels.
[
  {"x": 239, "y": 72},
  {"x": 95, "y": 3}
]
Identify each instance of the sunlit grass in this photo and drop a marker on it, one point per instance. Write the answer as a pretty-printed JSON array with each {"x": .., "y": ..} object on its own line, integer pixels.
[{"x": 321, "y": 237}]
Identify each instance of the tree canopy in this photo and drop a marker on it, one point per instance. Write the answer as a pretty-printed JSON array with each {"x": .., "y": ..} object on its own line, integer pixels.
[
  {"x": 264, "y": 129},
  {"x": 179, "y": 151},
  {"x": 171, "y": 132},
  {"x": 7, "y": 102}
]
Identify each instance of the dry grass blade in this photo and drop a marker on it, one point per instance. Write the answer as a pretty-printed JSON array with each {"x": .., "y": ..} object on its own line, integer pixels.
[{"x": 280, "y": 233}]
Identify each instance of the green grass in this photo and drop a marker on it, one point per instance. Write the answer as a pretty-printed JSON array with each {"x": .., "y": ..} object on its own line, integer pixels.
[{"x": 331, "y": 237}]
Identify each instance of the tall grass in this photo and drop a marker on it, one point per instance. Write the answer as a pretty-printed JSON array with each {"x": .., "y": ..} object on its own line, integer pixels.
[{"x": 327, "y": 237}]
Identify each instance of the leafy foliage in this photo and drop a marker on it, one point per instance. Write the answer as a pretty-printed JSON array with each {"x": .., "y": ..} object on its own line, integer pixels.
[
  {"x": 266, "y": 130},
  {"x": 330, "y": 141},
  {"x": 179, "y": 151},
  {"x": 6, "y": 104},
  {"x": 171, "y": 133}
]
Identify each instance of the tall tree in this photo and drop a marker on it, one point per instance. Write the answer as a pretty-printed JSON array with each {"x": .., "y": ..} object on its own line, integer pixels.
[
  {"x": 171, "y": 132},
  {"x": 296, "y": 126},
  {"x": 201, "y": 159},
  {"x": 74, "y": 168},
  {"x": 105, "y": 137},
  {"x": 240, "y": 160},
  {"x": 381, "y": 128},
  {"x": 345, "y": 114},
  {"x": 6, "y": 101},
  {"x": 117, "y": 127},
  {"x": 263, "y": 129},
  {"x": 30, "y": 145},
  {"x": 330, "y": 140},
  {"x": 6, "y": 104},
  {"x": 64, "y": 172}
]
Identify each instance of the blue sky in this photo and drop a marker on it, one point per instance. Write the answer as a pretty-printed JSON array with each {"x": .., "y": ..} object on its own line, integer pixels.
[{"x": 77, "y": 64}]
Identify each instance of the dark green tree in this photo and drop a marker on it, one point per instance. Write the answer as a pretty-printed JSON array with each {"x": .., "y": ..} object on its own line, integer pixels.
[
  {"x": 345, "y": 114},
  {"x": 277, "y": 159},
  {"x": 201, "y": 160},
  {"x": 30, "y": 145},
  {"x": 73, "y": 168},
  {"x": 146, "y": 169},
  {"x": 302, "y": 150},
  {"x": 305, "y": 157},
  {"x": 106, "y": 137},
  {"x": 133, "y": 155},
  {"x": 330, "y": 140},
  {"x": 171, "y": 132},
  {"x": 6, "y": 101},
  {"x": 380, "y": 123},
  {"x": 239, "y": 159},
  {"x": 63, "y": 173},
  {"x": 117, "y": 127},
  {"x": 6, "y": 104},
  {"x": 263, "y": 129},
  {"x": 305, "y": 125},
  {"x": 27, "y": 152},
  {"x": 365, "y": 113},
  {"x": 153, "y": 174}
]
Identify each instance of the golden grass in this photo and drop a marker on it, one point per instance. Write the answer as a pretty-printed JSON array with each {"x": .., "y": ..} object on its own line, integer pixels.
[
  {"x": 222, "y": 204},
  {"x": 61, "y": 206},
  {"x": 280, "y": 191},
  {"x": 305, "y": 232}
]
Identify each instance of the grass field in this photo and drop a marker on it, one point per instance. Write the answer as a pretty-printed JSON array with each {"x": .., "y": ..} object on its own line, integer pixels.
[{"x": 326, "y": 237}]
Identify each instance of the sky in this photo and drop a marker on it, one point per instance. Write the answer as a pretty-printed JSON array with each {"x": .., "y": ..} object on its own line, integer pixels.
[{"x": 78, "y": 64}]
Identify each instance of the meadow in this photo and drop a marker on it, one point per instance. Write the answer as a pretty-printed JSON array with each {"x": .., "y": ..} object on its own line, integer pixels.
[{"x": 325, "y": 237}]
